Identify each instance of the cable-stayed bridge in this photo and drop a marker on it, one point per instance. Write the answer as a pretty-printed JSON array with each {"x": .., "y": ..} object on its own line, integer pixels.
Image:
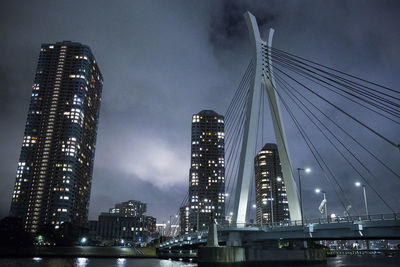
[{"x": 278, "y": 84}]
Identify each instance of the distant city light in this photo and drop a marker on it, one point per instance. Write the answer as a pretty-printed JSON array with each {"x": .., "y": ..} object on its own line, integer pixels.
[
  {"x": 308, "y": 170},
  {"x": 317, "y": 190},
  {"x": 254, "y": 205},
  {"x": 358, "y": 184},
  {"x": 83, "y": 240}
]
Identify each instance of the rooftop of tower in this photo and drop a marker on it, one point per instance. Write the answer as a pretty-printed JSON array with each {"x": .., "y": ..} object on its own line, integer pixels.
[
  {"x": 269, "y": 146},
  {"x": 206, "y": 112}
]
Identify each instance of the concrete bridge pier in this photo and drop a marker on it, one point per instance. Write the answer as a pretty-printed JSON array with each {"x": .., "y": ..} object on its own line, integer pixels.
[
  {"x": 214, "y": 255},
  {"x": 236, "y": 253}
]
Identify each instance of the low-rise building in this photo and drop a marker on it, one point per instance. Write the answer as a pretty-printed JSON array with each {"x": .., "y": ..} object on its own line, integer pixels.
[{"x": 125, "y": 223}]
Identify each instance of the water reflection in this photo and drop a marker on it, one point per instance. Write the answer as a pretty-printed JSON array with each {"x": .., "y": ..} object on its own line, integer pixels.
[
  {"x": 170, "y": 263},
  {"x": 121, "y": 262},
  {"x": 82, "y": 262}
]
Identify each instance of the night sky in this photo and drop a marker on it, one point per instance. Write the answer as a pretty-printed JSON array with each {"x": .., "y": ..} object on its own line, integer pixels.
[{"x": 163, "y": 61}]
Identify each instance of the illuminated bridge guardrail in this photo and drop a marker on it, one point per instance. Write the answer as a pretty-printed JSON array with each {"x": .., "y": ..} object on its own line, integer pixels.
[
  {"x": 347, "y": 219},
  {"x": 350, "y": 227}
]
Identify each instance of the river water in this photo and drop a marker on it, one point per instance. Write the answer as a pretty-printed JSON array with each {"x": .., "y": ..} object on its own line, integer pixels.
[{"x": 339, "y": 261}]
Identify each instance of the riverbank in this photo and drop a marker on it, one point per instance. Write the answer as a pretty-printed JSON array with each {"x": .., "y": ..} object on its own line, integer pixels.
[{"x": 79, "y": 251}]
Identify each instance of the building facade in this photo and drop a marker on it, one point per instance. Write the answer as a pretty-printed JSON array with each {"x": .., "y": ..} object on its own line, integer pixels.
[
  {"x": 130, "y": 208},
  {"x": 126, "y": 221},
  {"x": 56, "y": 162},
  {"x": 184, "y": 225},
  {"x": 207, "y": 172},
  {"x": 271, "y": 198}
]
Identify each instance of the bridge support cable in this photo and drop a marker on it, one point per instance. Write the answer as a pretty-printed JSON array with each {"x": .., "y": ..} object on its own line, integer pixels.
[
  {"x": 175, "y": 220},
  {"x": 242, "y": 88},
  {"x": 387, "y": 140},
  {"x": 331, "y": 180},
  {"x": 233, "y": 125},
  {"x": 294, "y": 89},
  {"x": 233, "y": 159},
  {"x": 233, "y": 138},
  {"x": 346, "y": 97},
  {"x": 335, "y": 70},
  {"x": 317, "y": 156},
  {"x": 234, "y": 119},
  {"x": 296, "y": 101},
  {"x": 315, "y": 77},
  {"x": 233, "y": 153},
  {"x": 337, "y": 90},
  {"x": 374, "y": 95}
]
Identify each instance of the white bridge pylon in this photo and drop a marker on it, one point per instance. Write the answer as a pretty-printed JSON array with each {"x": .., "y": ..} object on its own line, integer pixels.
[{"x": 263, "y": 79}]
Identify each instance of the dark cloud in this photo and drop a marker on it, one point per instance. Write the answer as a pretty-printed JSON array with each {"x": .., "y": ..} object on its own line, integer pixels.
[{"x": 163, "y": 61}]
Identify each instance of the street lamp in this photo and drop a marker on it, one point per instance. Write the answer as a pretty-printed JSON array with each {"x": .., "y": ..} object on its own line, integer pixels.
[
  {"x": 307, "y": 170},
  {"x": 317, "y": 190},
  {"x": 83, "y": 240},
  {"x": 358, "y": 184}
]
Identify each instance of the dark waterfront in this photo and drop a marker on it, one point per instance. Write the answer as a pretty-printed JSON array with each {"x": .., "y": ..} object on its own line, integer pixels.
[{"x": 340, "y": 261}]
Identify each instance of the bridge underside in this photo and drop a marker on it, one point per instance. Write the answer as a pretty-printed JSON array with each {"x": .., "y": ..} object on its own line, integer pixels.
[
  {"x": 332, "y": 231},
  {"x": 362, "y": 230}
]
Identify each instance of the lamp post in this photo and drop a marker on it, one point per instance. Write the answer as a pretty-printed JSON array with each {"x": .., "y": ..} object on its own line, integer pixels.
[
  {"x": 170, "y": 225},
  {"x": 198, "y": 215},
  {"x": 272, "y": 205},
  {"x": 255, "y": 207},
  {"x": 317, "y": 190},
  {"x": 358, "y": 184},
  {"x": 301, "y": 198}
]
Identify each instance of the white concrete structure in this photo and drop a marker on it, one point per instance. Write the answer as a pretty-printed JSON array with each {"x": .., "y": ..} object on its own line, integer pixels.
[{"x": 262, "y": 80}]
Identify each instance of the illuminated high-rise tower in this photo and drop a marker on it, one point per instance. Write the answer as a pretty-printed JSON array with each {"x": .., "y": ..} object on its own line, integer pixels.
[
  {"x": 207, "y": 172},
  {"x": 56, "y": 163},
  {"x": 271, "y": 196}
]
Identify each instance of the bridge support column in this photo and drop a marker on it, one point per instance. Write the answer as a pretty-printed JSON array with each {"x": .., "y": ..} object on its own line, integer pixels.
[
  {"x": 221, "y": 256},
  {"x": 212, "y": 239},
  {"x": 234, "y": 239}
]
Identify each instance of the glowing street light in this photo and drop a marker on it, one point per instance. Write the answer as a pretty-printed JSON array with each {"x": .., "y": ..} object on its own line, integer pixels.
[
  {"x": 307, "y": 170},
  {"x": 317, "y": 190},
  {"x": 358, "y": 184},
  {"x": 83, "y": 240}
]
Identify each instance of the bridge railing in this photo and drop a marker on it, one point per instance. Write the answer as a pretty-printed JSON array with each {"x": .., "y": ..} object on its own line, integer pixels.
[
  {"x": 201, "y": 236},
  {"x": 190, "y": 238},
  {"x": 329, "y": 220}
]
